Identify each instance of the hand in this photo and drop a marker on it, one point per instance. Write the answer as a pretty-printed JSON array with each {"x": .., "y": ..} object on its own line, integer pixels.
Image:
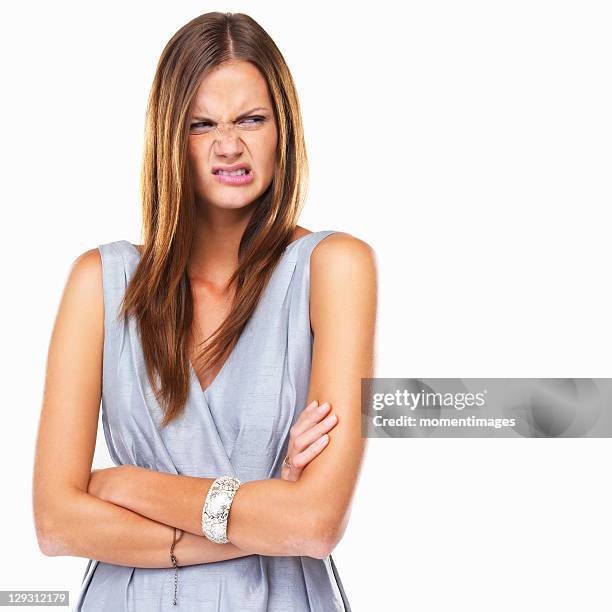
[{"x": 308, "y": 437}]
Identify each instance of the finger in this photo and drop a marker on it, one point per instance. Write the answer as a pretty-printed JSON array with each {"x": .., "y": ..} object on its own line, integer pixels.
[
  {"x": 302, "y": 459},
  {"x": 311, "y": 415},
  {"x": 293, "y": 474},
  {"x": 290, "y": 473},
  {"x": 306, "y": 416},
  {"x": 314, "y": 433}
]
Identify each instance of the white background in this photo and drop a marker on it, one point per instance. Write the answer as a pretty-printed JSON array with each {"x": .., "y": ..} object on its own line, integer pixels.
[{"x": 470, "y": 144}]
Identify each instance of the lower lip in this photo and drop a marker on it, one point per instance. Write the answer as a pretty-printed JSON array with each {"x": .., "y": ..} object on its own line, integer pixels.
[{"x": 240, "y": 179}]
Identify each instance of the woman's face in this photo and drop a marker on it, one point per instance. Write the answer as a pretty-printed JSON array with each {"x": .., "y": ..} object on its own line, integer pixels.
[{"x": 232, "y": 124}]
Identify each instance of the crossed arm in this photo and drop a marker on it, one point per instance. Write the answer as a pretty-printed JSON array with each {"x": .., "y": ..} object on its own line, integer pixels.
[{"x": 128, "y": 520}]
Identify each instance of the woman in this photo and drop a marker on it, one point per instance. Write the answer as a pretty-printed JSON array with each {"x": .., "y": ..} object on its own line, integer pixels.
[{"x": 285, "y": 320}]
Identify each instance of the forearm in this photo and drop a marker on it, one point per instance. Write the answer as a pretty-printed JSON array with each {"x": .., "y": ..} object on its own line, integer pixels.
[
  {"x": 267, "y": 517},
  {"x": 96, "y": 529},
  {"x": 272, "y": 517}
]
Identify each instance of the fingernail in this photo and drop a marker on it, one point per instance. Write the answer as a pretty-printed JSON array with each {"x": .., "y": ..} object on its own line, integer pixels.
[
  {"x": 312, "y": 404},
  {"x": 323, "y": 407},
  {"x": 322, "y": 440}
]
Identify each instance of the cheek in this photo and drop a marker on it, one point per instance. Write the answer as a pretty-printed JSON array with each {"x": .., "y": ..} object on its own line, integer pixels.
[
  {"x": 268, "y": 155},
  {"x": 192, "y": 153},
  {"x": 195, "y": 158},
  {"x": 196, "y": 146}
]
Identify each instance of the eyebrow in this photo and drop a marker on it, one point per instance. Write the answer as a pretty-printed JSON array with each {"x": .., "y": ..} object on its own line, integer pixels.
[{"x": 242, "y": 116}]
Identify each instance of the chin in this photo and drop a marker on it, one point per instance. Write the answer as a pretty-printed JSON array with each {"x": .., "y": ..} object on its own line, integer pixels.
[{"x": 230, "y": 203}]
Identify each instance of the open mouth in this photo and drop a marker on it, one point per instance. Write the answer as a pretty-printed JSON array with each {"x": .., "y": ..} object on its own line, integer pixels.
[
  {"x": 240, "y": 175},
  {"x": 239, "y": 172}
]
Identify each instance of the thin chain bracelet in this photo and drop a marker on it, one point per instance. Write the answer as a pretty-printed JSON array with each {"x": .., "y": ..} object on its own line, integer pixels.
[{"x": 174, "y": 565}]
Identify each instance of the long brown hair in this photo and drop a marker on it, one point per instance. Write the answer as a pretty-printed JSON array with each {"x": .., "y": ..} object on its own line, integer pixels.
[{"x": 159, "y": 293}]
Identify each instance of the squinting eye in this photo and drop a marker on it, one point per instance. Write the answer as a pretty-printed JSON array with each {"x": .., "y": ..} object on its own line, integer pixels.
[
  {"x": 248, "y": 123},
  {"x": 252, "y": 121},
  {"x": 201, "y": 124}
]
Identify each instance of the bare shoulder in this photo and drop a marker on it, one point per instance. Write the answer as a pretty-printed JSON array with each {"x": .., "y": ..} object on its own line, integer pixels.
[
  {"x": 86, "y": 270},
  {"x": 79, "y": 320},
  {"x": 82, "y": 296},
  {"x": 344, "y": 254},
  {"x": 343, "y": 283}
]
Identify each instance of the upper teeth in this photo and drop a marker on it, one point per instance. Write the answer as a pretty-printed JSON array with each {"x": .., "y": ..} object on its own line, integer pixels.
[{"x": 233, "y": 172}]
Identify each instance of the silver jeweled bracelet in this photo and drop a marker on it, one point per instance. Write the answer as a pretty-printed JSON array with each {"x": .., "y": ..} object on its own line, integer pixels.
[{"x": 216, "y": 508}]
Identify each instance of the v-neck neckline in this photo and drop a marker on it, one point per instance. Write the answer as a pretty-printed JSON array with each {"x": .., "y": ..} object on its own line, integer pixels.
[{"x": 195, "y": 381}]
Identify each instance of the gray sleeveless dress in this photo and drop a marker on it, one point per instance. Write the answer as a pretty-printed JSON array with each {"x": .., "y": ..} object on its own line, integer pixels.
[{"x": 239, "y": 426}]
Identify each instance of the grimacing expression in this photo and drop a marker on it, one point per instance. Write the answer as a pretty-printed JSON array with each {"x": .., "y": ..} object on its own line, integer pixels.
[{"x": 232, "y": 122}]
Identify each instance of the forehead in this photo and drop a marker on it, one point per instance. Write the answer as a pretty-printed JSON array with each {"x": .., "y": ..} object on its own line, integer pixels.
[{"x": 230, "y": 88}]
